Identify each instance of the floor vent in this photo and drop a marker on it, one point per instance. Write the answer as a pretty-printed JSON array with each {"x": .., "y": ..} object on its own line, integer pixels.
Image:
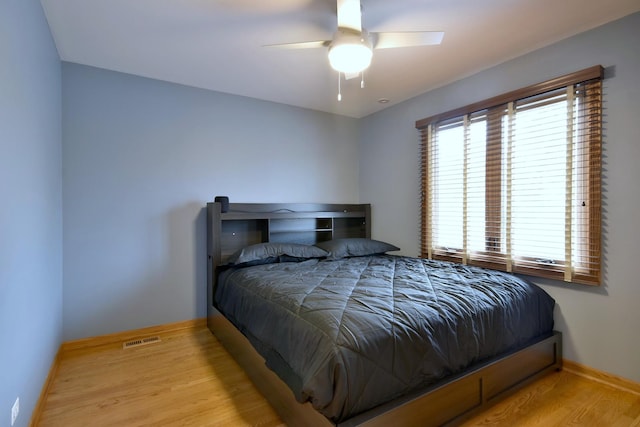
[{"x": 140, "y": 342}]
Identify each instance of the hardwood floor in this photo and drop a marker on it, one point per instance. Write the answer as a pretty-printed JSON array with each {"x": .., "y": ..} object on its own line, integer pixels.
[
  {"x": 564, "y": 399},
  {"x": 188, "y": 379}
]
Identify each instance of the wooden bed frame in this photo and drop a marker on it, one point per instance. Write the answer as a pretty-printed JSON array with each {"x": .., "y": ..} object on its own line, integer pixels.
[{"x": 450, "y": 401}]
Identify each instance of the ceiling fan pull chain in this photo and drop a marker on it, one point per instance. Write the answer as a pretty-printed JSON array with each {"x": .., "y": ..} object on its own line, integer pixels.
[
  {"x": 362, "y": 80},
  {"x": 339, "y": 91}
]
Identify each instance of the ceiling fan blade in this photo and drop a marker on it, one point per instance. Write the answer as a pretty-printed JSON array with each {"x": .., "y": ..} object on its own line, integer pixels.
[
  {"x": 301, "y": 45},
  {"x": 406, "y": 39},
  {"x": 350, "y": 14}
]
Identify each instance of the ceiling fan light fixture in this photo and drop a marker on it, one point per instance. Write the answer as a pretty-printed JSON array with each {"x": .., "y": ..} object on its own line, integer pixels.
[
  {"x": 350, "y": 58},
  {"x": 350, "y": 51}
]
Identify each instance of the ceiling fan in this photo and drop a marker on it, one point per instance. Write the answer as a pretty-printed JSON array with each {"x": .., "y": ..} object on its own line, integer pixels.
[{"x": 351, "y": 48}]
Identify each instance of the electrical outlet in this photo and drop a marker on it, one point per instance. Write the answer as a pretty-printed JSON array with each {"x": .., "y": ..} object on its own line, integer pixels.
[{"x": 15, "y": 410}]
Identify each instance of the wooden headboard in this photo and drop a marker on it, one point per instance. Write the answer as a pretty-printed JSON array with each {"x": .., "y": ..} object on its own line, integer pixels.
[{"x": 246, "y": 224}]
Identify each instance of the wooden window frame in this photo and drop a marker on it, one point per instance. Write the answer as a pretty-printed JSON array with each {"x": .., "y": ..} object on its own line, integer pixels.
[{"x": 494, "y": 110}]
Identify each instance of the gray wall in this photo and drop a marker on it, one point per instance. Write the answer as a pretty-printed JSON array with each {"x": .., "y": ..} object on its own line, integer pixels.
[
  {"x": 31, "y": 212},
  {"x": 141, "y": 159},
  {"x": 600, "y": 325}
]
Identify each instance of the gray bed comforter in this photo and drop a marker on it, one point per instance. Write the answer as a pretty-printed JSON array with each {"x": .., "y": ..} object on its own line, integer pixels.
[{"x": 351, "y": 334}]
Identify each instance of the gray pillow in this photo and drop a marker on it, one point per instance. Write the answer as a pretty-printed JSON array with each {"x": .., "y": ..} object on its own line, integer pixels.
[
  {"x": 341, "y": 248},
  {"x": 275, "y": 252}
]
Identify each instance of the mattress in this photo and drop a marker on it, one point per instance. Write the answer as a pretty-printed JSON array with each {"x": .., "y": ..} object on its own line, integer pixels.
[{"x": 350, "y": 334}]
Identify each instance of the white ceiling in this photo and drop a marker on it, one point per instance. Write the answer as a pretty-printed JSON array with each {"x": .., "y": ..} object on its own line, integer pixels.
[{"x": 217, "y": 44}]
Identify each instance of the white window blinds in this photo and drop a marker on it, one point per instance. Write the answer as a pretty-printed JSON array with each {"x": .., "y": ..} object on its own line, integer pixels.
[{"x": 514, "y": 183}]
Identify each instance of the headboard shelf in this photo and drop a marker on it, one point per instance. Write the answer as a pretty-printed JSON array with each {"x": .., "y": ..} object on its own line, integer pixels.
[{"x": 231, "y": 215}]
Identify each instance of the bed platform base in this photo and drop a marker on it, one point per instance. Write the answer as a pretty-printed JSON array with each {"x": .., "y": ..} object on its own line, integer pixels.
[{"x": 446, "y": 403}]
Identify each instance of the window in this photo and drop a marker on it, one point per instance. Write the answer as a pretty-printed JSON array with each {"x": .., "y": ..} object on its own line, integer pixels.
[{"x": 513, "y": 183}]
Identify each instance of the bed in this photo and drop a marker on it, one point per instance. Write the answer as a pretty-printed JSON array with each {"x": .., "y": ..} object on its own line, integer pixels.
[{"x": 329, "y": 312}]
